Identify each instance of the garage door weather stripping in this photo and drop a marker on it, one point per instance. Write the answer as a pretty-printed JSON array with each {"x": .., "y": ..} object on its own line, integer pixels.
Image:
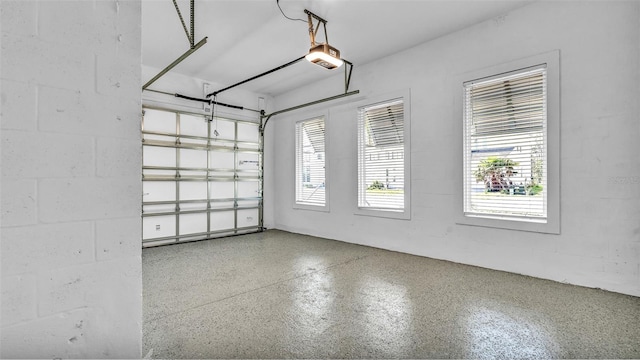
[{"x": 505, "y": 150}]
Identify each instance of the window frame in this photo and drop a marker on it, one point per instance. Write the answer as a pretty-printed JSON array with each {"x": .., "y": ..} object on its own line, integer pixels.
[
  {"x": 552, "y": 139},
  {"x": 405, "y": 213},
  {"x": 305, "y": 206}
]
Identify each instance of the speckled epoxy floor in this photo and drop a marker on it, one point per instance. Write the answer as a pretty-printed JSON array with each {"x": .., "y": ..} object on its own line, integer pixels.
[{"x": 282, "y": 295}]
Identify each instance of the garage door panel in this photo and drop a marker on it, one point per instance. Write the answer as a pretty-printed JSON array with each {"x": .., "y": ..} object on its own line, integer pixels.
[
  {"x": 160, "y": 208},
  {"x": 199, "y": 206},
  {"x": 193, "y": 158},
  {"x": 248, "y": 189},
  {"x": 158, "y": 226},
  {"x": 221, "y": 160},
  {"x": 247, "y": 217},
  {"x": 160, "y": 121},
  {"x": 222, "y": 189},
  {"x": 248, "y": 161},
  {"x": 222, "y": 220},
  {"x": 158, "y": 191},
  {"x": 159, "y": 156},
  {"x": 193, "y": 190},
  {"x": 248, "y": 203},
  {"x": 193, "y": 223},
  {"x": 196, "y": 177},
  {"x": 224, "y": 129},
  {"x": 248, "y": 132},
  {"x": 222, "y": 205},
  {"x": 193, "y": 125}
]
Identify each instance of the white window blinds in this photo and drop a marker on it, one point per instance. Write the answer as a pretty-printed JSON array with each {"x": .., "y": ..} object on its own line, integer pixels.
[
  {"x": 505, "y": 145},
  {"x": 310, "y": 162},
  {"x": 381, "y": 156}
]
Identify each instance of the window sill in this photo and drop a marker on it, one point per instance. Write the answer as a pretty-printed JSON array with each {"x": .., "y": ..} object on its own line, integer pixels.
[
  {"x": 384, "y": 213},
  {"x": 532, "y": 225},
  {"x": 320, "y": 208}
]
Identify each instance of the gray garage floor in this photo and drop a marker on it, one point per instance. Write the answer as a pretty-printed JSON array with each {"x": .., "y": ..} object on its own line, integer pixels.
[{"x": 283, "y": 295}]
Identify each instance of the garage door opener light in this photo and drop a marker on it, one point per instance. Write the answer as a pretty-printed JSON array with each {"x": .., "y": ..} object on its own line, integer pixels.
[{"x": 321, "y": 54}]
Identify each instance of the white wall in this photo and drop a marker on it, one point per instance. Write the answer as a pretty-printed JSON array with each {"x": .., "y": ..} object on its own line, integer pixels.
[
  {"x": 175, "y": 83},
  {"x": 71, "y": 155},
  {"x": 599, "y": 244}
]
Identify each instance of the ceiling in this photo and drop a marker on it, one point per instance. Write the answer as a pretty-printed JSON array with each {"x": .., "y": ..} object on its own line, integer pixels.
[{"x": 249, "y": 37}]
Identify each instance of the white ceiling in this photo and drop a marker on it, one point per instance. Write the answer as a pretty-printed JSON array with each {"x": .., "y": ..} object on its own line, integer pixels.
[{"x": 248, "y": 37}]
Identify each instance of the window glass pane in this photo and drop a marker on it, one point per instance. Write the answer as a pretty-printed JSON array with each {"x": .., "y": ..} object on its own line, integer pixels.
[
  {"x": 381, "y": 156},
  {"x": 504, "y": 146},
  {"x": 310, "y": 162}
]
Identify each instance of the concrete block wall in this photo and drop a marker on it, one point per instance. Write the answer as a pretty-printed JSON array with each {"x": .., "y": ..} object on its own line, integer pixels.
[
  {"x": 71, "y": 179},
  {"x": 599, "y": 241}
]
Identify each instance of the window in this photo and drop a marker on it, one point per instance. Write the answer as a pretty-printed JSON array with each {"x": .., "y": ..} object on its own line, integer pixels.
[
  {"x": 505, "y": 152},
  {"x": 310, "y": 162},
  {"x": 509, "y": 150},
  {"x": 383, "y": 157}
]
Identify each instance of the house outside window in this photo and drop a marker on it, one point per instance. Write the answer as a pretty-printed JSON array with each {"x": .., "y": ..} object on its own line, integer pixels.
[
  {"x": 505, "y": 150},
  {"x": 383, "y": 157},
  {"x": 310, "y": 163},
  {"x": 510, "y": 146}
]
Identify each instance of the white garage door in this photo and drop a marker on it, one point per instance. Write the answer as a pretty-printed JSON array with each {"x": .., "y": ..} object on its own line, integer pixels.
[{"x": 201, "y": 177}]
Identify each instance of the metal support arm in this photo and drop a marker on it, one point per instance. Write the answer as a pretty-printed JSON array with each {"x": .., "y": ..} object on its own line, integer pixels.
[
  {"x": 264, "y": 125},
  {"x": 176, "y": 62},
  {"x": 184, "y": 26},
  {"x": 347, "y": 74},
  {"x": 255, "y": 77},
  {"x": 190, "y": 36},
  {"x": 314, "y": 32}
]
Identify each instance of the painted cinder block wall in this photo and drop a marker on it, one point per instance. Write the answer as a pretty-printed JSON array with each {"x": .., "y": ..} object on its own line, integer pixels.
[
  {"x": 599, "y": 241},
  {"x": 71, "y": 179}
]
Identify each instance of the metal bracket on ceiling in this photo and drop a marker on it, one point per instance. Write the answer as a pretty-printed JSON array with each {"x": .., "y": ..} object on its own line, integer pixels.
[
  {"x": 313, "y": 32},
  {"x": 347, "y": 75},
  {"x": 190, "y": 36}
]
